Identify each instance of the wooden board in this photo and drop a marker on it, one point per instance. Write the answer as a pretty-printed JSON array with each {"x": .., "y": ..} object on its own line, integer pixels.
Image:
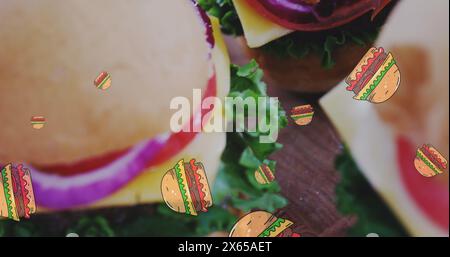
[{"x": 305, "y": 165}]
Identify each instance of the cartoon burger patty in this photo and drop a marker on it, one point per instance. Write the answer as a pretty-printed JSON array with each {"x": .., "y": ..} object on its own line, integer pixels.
[
  {"x": 103, "y": 81},
  {"x": 376, "y": 77},
  {"x": 185, "y": 188},
  {"x": 264, "y": 175},
  {"x": 302, "y": 115},
  {"x": 262, "y": 224},
  {"x": 16, "y": 193},
  {"x": 429, "y": 162}
]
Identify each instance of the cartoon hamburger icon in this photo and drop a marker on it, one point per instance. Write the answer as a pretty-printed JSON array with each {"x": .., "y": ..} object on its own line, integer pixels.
[
  {"x": 185, "y": 188},
  {"x": 37, "y": 122},
  {"x": 16, "y": 193},
  {"x": 429, "y": 162},
  {"x": 302, "y": 115},
  {"x": 264, "y": 175},
  {"x": 103, "y": 81},
  {"x": 376, "y": 78},
  {"x": 262, "y": 224}
]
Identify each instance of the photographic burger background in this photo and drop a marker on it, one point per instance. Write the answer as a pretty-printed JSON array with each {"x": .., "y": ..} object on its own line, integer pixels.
[{"x": 320, "y": 187}]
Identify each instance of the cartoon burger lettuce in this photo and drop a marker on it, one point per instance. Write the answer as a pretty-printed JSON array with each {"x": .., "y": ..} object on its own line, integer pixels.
[
  {"x": 376, "y": 78},
  {"x": 262, "y": 224},
  {"x": 185, "y": 188}
]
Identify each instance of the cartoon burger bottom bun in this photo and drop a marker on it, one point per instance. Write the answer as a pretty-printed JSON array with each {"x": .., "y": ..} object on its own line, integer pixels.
[
  {"x": 422, "y": 168},
  {"x": 64, "y": 57},
  {"x": 171, "y": 192},
  {"x": 253, "y": 224},
  {"x": 304, "y": 121},
  {"x": 387, "y": 86}
]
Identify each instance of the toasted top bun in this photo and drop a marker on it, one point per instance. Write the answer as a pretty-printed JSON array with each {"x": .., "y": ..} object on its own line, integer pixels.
[
  {"x": 252, "y": 224},
  {"x": 171, "y": 192},
  {"x": 369, "y": 55},
  {"x": 52, "y": 51}
]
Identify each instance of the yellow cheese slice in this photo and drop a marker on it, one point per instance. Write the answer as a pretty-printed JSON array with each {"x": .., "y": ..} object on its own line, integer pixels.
[{"x": 258, "y": 30}]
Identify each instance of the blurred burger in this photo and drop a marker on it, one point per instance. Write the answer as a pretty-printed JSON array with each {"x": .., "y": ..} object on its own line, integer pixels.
[
  {"x": 106, "y": 150},
  {"x": 262, "y": 224},
  {"x": 305, "y": 45}
]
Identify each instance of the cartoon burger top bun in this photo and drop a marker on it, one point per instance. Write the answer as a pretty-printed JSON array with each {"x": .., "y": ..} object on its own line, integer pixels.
[
  {"x": 429, "y": 162},
  {"x": 262, "y": 224},
  {"x": 376, "y": 78},
  {"x": 185, "y": 188}
]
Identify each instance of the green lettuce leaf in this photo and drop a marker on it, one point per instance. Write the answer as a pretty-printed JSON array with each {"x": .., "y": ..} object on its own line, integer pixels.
[{"x": 225, "y": 12}]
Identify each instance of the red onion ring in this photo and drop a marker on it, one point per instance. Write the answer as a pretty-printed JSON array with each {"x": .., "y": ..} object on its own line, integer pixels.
[{"x": 300, "y": 16}]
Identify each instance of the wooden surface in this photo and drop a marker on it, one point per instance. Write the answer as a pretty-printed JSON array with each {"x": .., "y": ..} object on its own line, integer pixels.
[{"x": 305, "y": 165}]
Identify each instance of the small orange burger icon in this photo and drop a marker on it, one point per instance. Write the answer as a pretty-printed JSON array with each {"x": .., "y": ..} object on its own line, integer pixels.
[
  {"x": 103, "y": 81},
  {"x": 37, "y": 122},
  {"x": 429, "y": 162},
  {"x": 302, "y": 115},
  {"x": 264, "y": 175}
]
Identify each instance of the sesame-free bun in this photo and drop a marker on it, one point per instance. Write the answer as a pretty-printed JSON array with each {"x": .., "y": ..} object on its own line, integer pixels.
[
  {"x": 171, "y": 192},
  {"x": 51, "y": 52},
  {"x": 252, "y": 224}
]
